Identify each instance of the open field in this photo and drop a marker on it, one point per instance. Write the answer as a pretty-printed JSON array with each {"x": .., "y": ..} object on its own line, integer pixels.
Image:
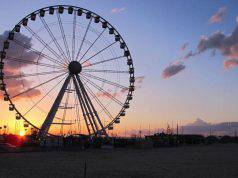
[{"x": 191, "y": 161}]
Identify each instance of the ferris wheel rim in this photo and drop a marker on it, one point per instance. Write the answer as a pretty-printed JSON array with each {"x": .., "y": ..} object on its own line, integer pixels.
[{"x": 101, "y": 20}]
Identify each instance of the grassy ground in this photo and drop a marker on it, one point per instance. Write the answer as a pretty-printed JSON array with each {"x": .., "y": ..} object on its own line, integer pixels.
[{"x": 191, "y": 161}]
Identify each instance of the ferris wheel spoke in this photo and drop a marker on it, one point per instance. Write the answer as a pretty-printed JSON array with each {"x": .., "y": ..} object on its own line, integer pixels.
[
  {"x": 43, "y": 97},
  {"x": 44, "y": 43},
  {"x": 105, "y": 80},
  {"x": 73, "y": 37},
  {"x": 100, "y": 89},
  {"x": 22, "y": 75},
  {"x": 51, "y": 115},
  {"x": 53, "y": 38},
  {"x": 103, "y": 61},
  {"x": 21, "y": 60},
  {"x": 65, "y": 110},
  {"x": 63, "y": 35},
  {"x": 83, "y": 108},
  {"x": 76, "y": 104},
  {"x": 41, "y": 54},
  {"x": 30, "y": 89},
  {"x": 92, "y": 44},
  {"x": 107, "y": 71},
  {"x": 98, "y": 101},
  {"x": 99, "y": 52},
  {"x": 81, "y": 45},
  {"x": 90, "y": 106}
]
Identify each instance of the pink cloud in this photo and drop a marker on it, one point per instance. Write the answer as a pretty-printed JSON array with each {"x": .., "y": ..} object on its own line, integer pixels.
[
  {"x": 87, "y": 64},
  {"x": 173, "y": 69},
  {"x": 233, "y": 51},
  {"x": 118, "y": 10},
  {"x": 217, "y": 17},
  {"x": 31, "y": 94},
  {"x": 138, "y": 84},
  {"x": 18, "y": 85},
  {"x": 230, "y": 63},
  {"x": 139, "y": 80},
  {"x": 103, "y": 94}
]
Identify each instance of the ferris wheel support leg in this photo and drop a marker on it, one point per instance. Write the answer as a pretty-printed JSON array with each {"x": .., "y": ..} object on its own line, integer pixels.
[
  {"x": 82, "y": 105},
  {"x": 50, "y": 117},
  {"x": 88, "y": 115},
  {"x": 90, "y": 112},
  {"x": 91, "y": 104},
  {"x": 86, "y": 99}
]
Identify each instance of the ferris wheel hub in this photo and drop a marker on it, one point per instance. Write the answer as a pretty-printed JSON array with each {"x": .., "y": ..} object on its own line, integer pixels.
[{"x": 75, "y": 67}]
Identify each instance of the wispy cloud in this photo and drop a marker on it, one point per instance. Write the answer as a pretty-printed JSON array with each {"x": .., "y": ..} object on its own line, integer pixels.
[
  {"x": 118, "y": 10},
  {"x": 230, "y": 63},
  {"x": 138, "y": 84},
  {"x": 217, "y": 17},
  {"x": 173, "y": 69},
  {"x": 189, "y": 54},
  {"x": 184, "y": 46},
  {"x": 87, "y": 64}
]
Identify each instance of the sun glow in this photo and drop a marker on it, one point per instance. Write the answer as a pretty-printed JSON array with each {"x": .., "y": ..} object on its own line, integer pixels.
[{"x": 22, "y": 133}]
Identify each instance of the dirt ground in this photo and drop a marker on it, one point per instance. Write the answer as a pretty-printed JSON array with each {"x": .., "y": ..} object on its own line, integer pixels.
[{"x": 190, "y": 161}]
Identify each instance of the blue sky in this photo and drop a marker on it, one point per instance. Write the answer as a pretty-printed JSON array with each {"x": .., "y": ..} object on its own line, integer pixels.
[{"x": 155, "y": 30}]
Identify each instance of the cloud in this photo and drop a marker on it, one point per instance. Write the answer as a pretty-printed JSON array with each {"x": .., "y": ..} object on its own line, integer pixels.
[
  {"x": 204, "y": 128},
  {"x": 138, "y": 84},
  {"x": 118, "y": 10},
  {"x": 213, "y": 53},
  {"x": 139, "y": 80},
  {"x": 198, "y": 122},
  {"x": 230, "y": 63},
  {"x": 16, "y": 51},
  {"x": 218, "y": 41},
  {"x": 189, "y": 54},
  {"x": 173, "y": 69},
  {"x": 184, "y": 46},
  {"x": 237, "y": 19},
  {"x": 13, "y": 67},
  {"x": 217, "y": 17},
  {"x": 226, "y": 44},
  {"x": 104, "y": 94},
  {"x": 87, "y": 64}
]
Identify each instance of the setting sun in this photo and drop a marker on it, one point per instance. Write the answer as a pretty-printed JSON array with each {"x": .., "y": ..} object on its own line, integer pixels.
[{"x": 22, "y": 133}]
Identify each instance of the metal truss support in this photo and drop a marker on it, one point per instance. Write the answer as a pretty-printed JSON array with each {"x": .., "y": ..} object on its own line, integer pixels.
[
  {"x": 83, "y": 108},
  {"x": 93, "y": 111},
  {"x": 50, "y": 117}
]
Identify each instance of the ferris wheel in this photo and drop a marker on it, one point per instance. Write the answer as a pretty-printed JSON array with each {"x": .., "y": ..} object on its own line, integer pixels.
[{"x": 65, "y": 69}]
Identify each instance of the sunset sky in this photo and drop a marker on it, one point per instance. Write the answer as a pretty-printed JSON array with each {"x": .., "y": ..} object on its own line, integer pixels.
[{"x": 185, "y": 51}]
